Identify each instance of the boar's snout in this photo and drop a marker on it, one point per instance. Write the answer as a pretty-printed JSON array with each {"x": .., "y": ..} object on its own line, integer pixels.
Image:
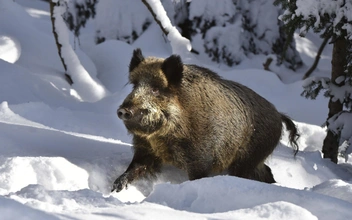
[{"x": 124, "y": 113}]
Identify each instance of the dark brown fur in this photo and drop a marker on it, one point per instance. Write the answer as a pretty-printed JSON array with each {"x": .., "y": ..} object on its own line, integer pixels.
[{"x": 189, "y": 117}]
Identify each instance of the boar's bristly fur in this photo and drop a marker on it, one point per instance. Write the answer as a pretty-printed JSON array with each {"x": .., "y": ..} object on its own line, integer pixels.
[{"x": 189, "y": 117}]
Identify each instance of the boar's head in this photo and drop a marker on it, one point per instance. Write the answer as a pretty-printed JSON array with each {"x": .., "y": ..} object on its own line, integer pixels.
[{"x": 152, "y": 106}]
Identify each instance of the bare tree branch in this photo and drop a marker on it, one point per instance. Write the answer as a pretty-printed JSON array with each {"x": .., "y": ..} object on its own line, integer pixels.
[{"x": 317, "y": 58}]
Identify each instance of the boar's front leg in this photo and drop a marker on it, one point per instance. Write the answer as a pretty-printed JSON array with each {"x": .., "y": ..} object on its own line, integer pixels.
[
  {"x": 143, "y": 164},
  {"x": 198, "y": 162}
]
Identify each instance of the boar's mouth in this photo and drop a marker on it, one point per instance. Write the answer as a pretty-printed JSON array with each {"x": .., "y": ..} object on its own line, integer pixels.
[{"x": 144, "y": 123}]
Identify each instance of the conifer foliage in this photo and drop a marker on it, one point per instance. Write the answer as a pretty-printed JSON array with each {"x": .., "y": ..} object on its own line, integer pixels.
[
  {"x": 77, "y": 14},
  {"x": 235, "y": 29},
  {"x": 331, "y": 18},
  {"x": 227, "y": 31}
]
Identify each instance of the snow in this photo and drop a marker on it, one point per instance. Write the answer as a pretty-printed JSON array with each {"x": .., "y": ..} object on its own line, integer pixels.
[
  {"x": 210, "y": 198},
  {"x": 11, "y": 50},
  {"x": 179, "y": 44},
  {"x": 60, "y": 153}
]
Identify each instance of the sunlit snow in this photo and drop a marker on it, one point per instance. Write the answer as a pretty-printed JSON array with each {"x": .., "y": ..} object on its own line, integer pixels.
[{"x": 61, "y": 147}]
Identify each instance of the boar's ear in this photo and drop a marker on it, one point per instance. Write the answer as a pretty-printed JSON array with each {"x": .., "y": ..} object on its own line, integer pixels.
[
  {"x": 173, "y": 69},
  {"x": 137, "y": 58}
]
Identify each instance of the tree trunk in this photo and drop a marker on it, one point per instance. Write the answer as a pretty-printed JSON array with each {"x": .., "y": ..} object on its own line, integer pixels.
[{"x": 338, "y": 63}]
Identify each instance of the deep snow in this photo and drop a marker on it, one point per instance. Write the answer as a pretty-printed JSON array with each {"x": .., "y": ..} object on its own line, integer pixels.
[{"x": 59, "y": 155}]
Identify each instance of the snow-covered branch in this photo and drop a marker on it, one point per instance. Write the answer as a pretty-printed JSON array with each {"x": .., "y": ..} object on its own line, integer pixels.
[
  {"x": 338, "y": 124},
  {"x": 338, "y": 12},
  {"x": 179, "y": 44},
  {"x": 87, "y": 87}
]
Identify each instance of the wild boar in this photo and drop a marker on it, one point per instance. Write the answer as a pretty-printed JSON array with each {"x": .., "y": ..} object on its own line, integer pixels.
[{"x": 190, "y": 117}]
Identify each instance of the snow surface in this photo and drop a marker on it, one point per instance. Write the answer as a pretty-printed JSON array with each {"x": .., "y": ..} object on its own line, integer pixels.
[{"x": 59, "y": 154}]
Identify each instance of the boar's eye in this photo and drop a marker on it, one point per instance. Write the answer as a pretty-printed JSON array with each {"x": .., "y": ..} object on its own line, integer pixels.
[
  {"x": 155, "y": 91},
  {"x": 134, "y": 84}
]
